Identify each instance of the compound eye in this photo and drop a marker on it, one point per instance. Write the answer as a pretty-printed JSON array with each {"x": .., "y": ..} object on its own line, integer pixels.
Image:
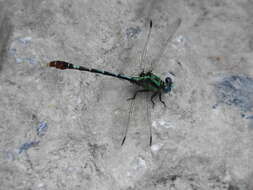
[{"x": 168, "y": 80}]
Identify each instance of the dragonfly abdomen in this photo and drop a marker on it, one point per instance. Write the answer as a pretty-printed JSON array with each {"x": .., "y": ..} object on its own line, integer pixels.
[{"x": 65, "y": 65}]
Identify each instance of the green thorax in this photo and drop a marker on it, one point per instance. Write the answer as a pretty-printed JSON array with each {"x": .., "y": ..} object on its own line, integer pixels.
[{"x": 149, "y": 81}]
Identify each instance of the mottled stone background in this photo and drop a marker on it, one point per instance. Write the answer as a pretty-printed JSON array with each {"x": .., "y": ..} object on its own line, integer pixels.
[{"x": 63, "y": 129}]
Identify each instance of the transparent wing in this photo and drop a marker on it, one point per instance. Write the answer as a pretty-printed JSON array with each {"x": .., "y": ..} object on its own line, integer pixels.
[
  {"x": 128, "y": 121},
  {"x": 142, "y": 68},
  {"x": 144, "y": 51},
  {"x": 149, "y": 119},
  {"x": 164, "y": 41},
  {"x": 149, "y": 124}
]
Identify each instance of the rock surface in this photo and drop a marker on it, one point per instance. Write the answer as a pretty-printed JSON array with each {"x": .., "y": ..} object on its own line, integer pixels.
[{"x": 63, "y": 129}]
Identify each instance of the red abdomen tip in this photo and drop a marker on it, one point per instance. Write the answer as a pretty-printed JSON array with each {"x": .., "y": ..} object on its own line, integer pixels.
[{"x": 58, "y": 64}]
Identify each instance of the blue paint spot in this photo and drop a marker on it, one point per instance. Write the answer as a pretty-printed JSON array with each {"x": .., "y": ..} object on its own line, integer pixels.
[
  {"x": 27, "y": 145},
  {"x": 42, "y": 129},
  {"x": 25, "y": 40},
  {"x": 26, "y": 60},
  {"x": 30, "y": 61},
  {"x": 237, "y": 91},
  {"x": 249, "y": 117},
  {"x": 12, "y": 51},
  {"x": 133, "y": 32},
  {"x": 9, "y": 155},
  {"x": 19, "y": 60}
]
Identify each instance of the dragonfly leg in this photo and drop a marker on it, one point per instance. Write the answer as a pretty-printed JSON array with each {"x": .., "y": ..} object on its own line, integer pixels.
[
  {"x": 160, "y": 98},
  {"x": 136, "y": 92},
  {"x": 152, "y": 97}
]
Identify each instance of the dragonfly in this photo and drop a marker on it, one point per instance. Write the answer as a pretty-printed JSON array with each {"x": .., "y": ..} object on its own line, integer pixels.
[{"x": 146, "y": 80}]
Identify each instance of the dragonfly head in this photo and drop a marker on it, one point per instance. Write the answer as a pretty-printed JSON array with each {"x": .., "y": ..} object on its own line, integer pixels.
[{"x": 168, "y": 85}]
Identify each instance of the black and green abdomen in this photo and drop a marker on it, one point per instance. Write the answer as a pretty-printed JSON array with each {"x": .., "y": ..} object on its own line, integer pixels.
[{"x": 148, "y": 81}]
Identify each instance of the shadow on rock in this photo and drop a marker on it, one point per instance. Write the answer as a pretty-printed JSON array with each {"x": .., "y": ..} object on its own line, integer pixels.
[{"x": 6, "y": 29}]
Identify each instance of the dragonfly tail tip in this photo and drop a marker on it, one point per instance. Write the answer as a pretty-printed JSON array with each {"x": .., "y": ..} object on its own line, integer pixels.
[{"x": 123, "y": 141}]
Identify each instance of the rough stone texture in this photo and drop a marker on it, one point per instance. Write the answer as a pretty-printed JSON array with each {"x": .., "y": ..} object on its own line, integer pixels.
[{"x": 63, "y": 129}]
